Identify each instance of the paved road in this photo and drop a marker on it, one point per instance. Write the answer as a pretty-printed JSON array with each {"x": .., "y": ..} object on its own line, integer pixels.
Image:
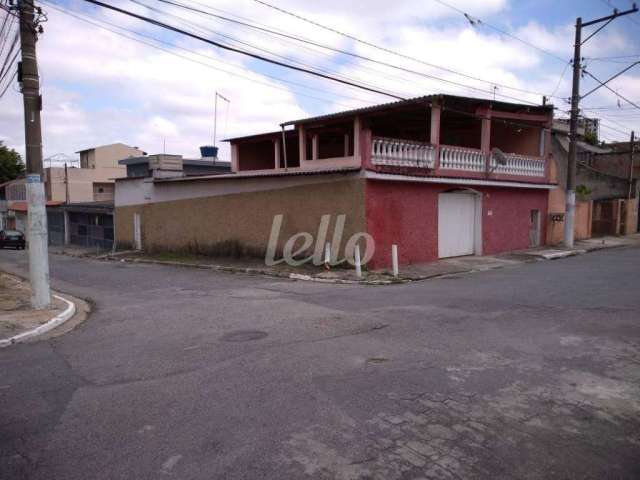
[{"x": 528, "y": 372}]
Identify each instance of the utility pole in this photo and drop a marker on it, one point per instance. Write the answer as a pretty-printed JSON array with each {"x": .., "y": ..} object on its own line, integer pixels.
[
  {"x": 37, "y": 214},
  {"x": 631, "y": 148},
  {"x": 575, "y": 110},
  {"x": 570, "y": 199}
]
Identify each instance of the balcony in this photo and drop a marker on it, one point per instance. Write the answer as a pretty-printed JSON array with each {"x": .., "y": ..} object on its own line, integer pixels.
[
  {"x": 520, "y": 165},
  {"x": 454, "y": 161},
  {"x": 402, "y": 153}
]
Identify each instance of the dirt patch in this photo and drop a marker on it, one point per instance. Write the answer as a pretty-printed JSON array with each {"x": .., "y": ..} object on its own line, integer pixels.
[{"x": 16, "y": 315}]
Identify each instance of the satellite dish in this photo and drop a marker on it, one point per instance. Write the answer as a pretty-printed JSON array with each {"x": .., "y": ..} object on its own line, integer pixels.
[{"x": 499, "y": 156}]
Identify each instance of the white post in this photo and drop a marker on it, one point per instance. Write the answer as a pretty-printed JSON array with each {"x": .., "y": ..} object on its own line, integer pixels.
[
  {"x": 38, "y": 246},
  {"x": 356, "y": 257},
  {"x": 67, "y": 228},
  {"x": 327, "y": 254},
  {"x": 394, "y": 259},
  {"x": 137, "y": 232}
]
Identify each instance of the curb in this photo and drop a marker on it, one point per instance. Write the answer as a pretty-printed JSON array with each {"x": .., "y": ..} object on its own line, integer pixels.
[
  {"x": 44, "y": 328},
  {"x": 256, "y": 271},
  {"x": 309, "y": 278}
]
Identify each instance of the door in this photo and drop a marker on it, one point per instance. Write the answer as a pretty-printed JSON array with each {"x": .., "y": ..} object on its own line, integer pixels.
[
  {"x": 534, "y": 229},
  {"x": 456, "y": 224}
]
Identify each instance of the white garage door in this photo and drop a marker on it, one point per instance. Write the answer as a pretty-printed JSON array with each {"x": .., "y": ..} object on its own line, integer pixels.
[{"x": 456, "y": 224}]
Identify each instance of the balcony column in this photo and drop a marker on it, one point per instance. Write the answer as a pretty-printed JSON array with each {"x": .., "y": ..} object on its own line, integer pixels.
[
  {"x": 434, "y": 134},
  {"x": 234, "y": 158},
  {"x": 314, "y": 147},
  {"x": 276, "y": 153},
  {"x": 302, "y": 145},
  {"x": 485, "y": 140},
  {"x": 357, "y": 127},
  {"x": 485, "y": 136}
]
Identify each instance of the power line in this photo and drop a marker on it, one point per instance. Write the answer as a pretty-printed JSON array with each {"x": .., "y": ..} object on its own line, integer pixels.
[
  {"x": 101, "y": 24},
  {"x": 564, "y": 71},
  {"x": 475, "y": 20},
  {"x": 202, "y": 29},
  {"x": 6, "y": 62},
  {"x": 612, "y": 90},
  {"x": 240, "y": 51},
  {"x": 352, "y": 54},
  {"x": 469, "y": 114},
  {"x": 610, "y": 4},
  {"x": 6, "y": 87}
]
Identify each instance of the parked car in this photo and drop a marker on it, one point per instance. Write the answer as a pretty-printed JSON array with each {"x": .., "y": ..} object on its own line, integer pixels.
[{"x": 12, "y": 238}]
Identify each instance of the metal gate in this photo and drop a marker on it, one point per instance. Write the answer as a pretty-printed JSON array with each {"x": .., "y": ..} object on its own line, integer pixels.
[
  {"x": 55, "y": 222},
  {"x": 603, "y": 222}
]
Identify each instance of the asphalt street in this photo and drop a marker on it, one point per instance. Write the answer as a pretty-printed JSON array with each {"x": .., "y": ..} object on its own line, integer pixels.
[{"x": 525, "y": 372}]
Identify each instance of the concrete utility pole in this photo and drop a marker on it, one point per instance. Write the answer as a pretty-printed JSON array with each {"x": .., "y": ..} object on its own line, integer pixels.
[
  {"x": 37, "y": 214},
  {"x": 575, "y": 110},
  {"x": 570, "y": 200},
  {"x": 631, "y": 148}
]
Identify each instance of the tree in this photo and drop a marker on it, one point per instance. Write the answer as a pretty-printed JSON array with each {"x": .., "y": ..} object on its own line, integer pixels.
[{"x": 11, "y": 164}]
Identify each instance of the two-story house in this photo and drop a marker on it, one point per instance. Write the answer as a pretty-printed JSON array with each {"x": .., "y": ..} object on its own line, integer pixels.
[{"x": 438, "y": 176}]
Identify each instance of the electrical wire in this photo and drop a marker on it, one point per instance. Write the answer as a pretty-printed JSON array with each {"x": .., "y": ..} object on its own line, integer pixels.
[
  {"x": 564, "y": 71},
  {"x": 101, "y": 24},
  {"x": 378, "y": 72},
  {"x": 206, "y": 31},
  {"x": 352, "y": 54},
  {"x": 238, "y": 50}
]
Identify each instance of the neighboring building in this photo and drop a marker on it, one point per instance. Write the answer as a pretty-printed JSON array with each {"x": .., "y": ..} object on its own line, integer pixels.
[
  {"x": 107, "y": 156},
  {"x": 606, "y": 199},
  {"x": 11, "y": 192},
  {"x": 73, "y": 185},
  {"x": 82, "y": 224},
  {"x": 79, "y": 200},
  {"x": 439, "y": 176},
  {"x": 143, "y": 166},
  {"x": 6, "y": 188}
]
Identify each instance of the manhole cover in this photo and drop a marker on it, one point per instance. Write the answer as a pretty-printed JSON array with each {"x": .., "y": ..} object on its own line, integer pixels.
[
  {"x": 243, "y": 336},
  {"x": 377, "y": 360}
]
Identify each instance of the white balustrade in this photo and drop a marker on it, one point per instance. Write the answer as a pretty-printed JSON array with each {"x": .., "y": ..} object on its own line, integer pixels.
[
  {"x": 402, "y": 153},
  {"x": 460, "y": 158},
  {"x": 519, "y": 165}
]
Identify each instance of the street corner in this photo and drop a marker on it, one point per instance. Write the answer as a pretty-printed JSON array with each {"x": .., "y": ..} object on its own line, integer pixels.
[{"x": 20, "y": 323}]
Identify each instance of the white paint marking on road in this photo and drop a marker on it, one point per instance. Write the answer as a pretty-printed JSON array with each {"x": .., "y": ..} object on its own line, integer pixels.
[{"x": 170, "y": 463}]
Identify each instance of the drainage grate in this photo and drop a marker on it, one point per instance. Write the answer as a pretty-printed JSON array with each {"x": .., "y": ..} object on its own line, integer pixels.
[{"x": 243, "y": 336}]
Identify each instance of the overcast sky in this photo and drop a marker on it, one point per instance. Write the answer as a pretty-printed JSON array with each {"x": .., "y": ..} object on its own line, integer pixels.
[{"x": 100, "y": 87}]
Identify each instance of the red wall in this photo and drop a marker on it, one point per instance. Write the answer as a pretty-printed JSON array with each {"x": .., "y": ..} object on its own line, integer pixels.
[{"x": 406, "y": 214}]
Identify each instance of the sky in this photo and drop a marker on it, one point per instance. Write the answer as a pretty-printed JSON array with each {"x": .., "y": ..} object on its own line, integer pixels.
[{"x": 110, "y": 78}]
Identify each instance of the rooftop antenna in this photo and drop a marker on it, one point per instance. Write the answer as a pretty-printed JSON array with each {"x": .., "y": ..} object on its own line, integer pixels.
[{"x": 215, "y": 114}]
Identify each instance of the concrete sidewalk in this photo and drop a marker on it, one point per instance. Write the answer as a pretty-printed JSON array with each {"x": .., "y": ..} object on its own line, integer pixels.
[
  {"x": 18, "y": 321},
  {"x": 308, "y": 272},
  {"x": 469, "y": 264}
]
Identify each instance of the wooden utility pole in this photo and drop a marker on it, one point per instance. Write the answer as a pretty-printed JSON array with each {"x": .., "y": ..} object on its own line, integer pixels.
[
  {"x": 37, "y": 215},
  {"x": 575, "y": 110}
]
